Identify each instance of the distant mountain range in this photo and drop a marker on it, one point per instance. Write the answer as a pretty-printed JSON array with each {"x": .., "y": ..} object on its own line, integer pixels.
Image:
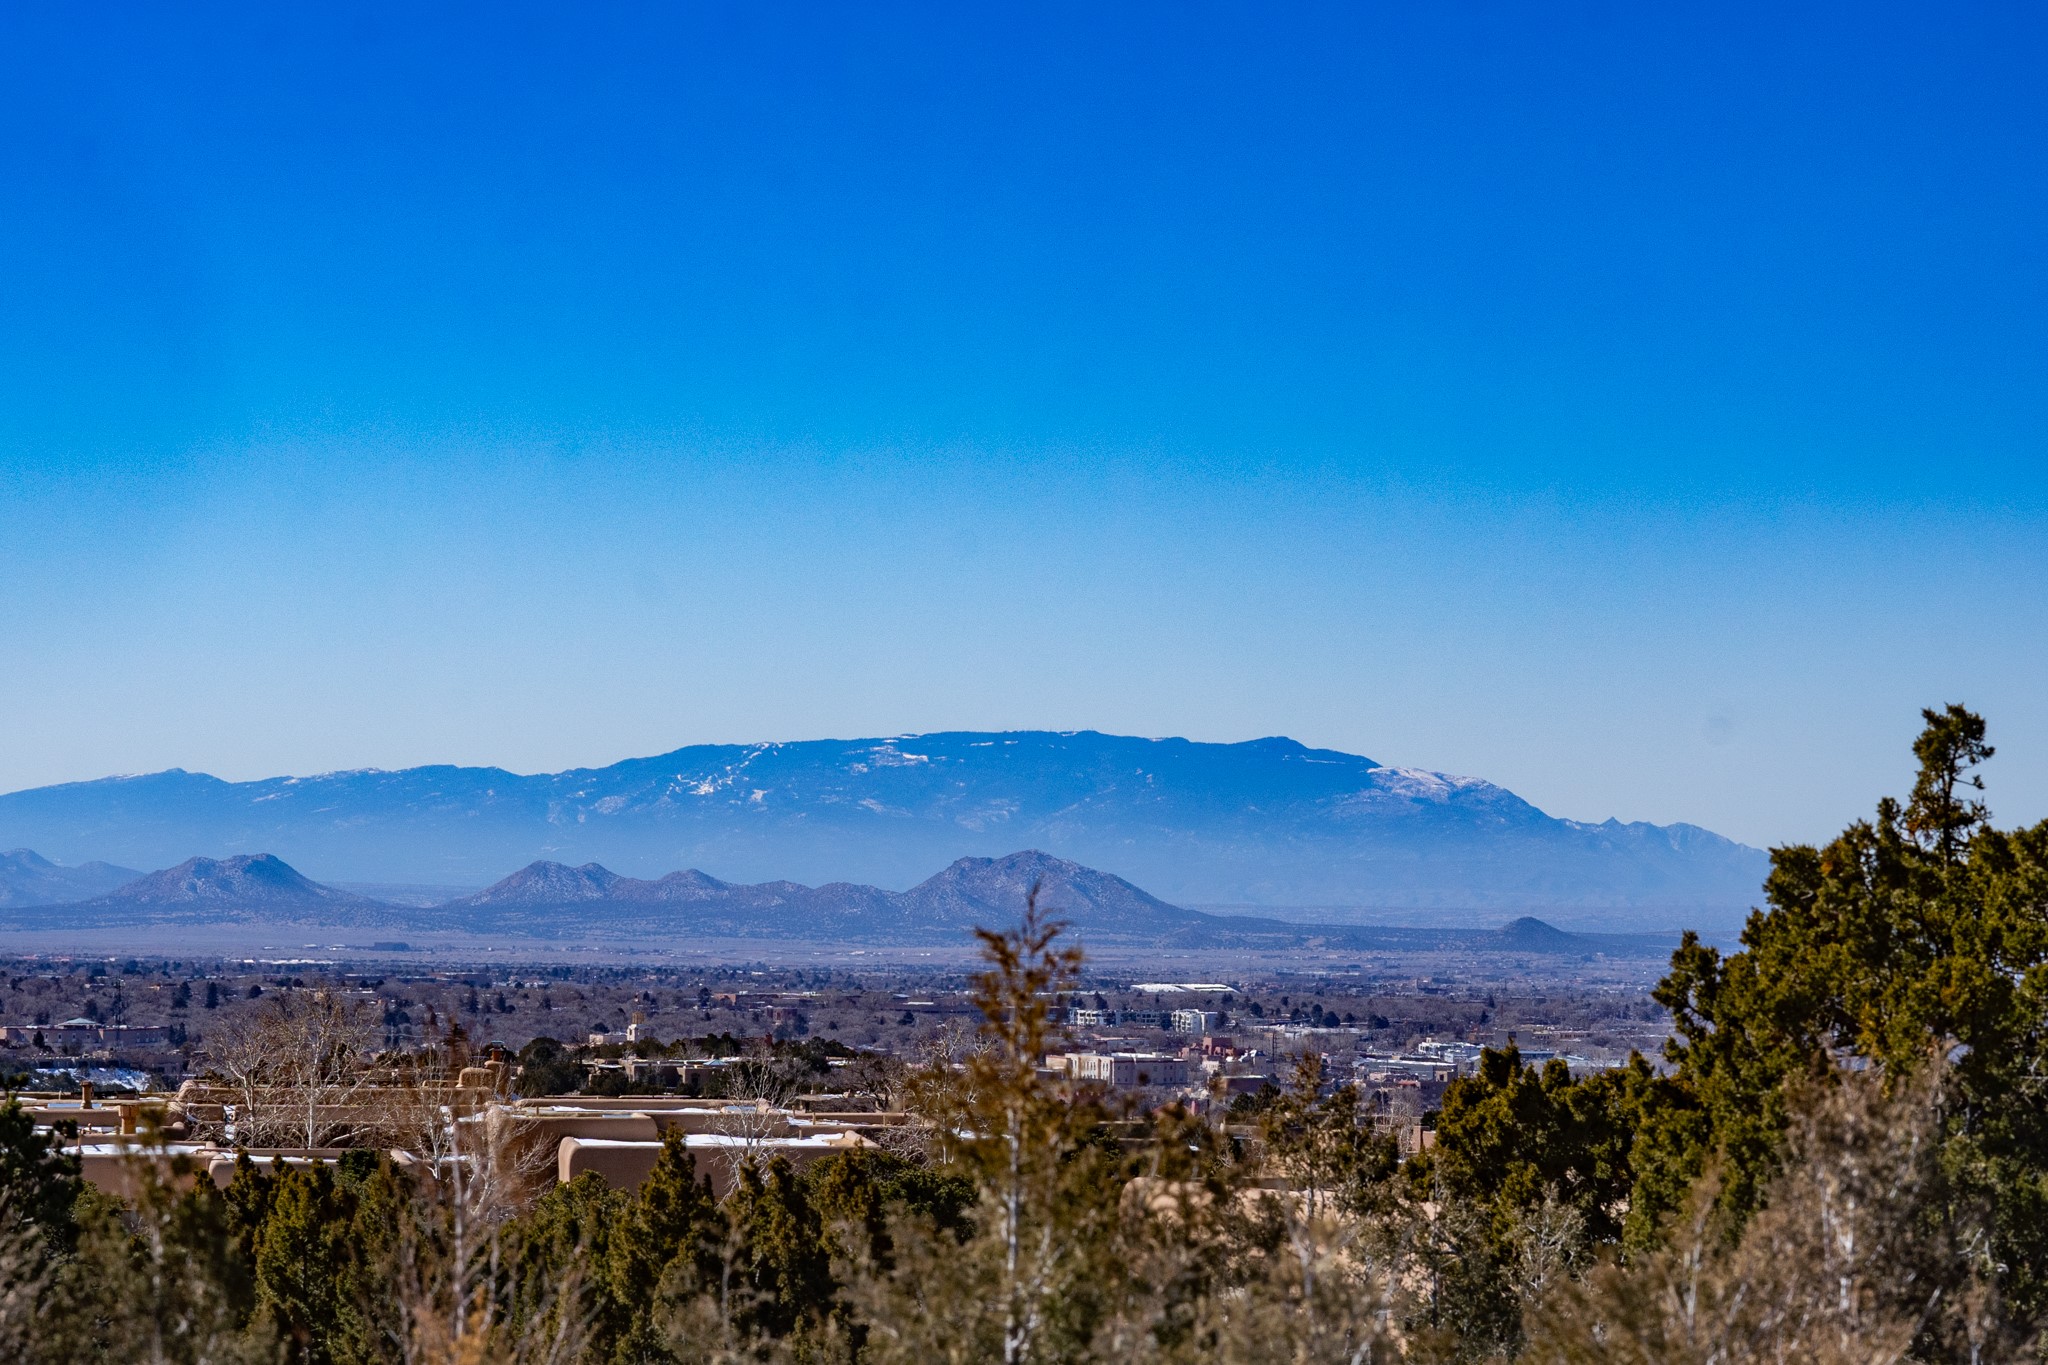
[
  {"x": 28, "y": 879},
  {"x": 943, "y": 908},
  {"x": 548, "y": 900},
  {"x": 1264, "y": 823}
]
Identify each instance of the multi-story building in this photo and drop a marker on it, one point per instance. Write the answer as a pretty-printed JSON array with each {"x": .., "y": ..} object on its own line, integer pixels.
[
  {"x": 85, "y": 1033},
  {"x": 1128, "y": 1070}
]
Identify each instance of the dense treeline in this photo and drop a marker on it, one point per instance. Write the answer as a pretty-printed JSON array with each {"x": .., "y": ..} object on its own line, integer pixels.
[{"x": 1845, "y": 1159}]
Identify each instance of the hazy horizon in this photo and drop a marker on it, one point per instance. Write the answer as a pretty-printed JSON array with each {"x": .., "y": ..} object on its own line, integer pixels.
[
  {"x": 779, "y": 742},
  {"x": 1640, "y": 410},
  {"x": 260, "y": 775}
]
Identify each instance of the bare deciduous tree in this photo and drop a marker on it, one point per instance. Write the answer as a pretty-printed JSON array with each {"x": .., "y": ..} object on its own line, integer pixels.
[
  {"x": 760, "y": 1090},
  {"x": 476, "y": 1164},
  {"x": 876, "y": 1079},
  {"x": 298, "y": 1064}
]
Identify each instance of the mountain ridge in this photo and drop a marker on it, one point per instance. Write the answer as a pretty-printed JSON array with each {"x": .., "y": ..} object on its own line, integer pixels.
[
  {"x": 966, "y": 894},
  {"x": 1267, "y": 821},
  {"x": 28, "y": 878},
  {"x": 548, "y": 900},
  {"x": 246, "y": 888}
]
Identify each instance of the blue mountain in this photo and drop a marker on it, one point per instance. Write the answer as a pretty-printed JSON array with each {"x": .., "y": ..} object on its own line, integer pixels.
[
  {"x": 1269, "y": 822},
  {"x": 29, "y": 879}
]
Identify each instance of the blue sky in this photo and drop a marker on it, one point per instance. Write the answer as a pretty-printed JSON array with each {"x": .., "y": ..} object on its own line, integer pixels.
[{"x": 1642, "y": 408}]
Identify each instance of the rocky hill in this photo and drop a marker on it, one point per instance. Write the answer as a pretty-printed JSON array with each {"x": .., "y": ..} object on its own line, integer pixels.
[
  {"x": 946, "y": 907},
  {"x": 551, "y": 900},
  {"x": 250, "y": 888}
]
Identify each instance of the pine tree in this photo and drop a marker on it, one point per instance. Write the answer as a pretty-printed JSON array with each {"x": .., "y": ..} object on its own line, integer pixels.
[
  {"x": 1916, "y": 939},
  {"x": 313, "y": 1282},
  {"x": 39, "y": 1184},
  {"x": 561, "y": 1279},
  {"x": 164, "y": 1279}
]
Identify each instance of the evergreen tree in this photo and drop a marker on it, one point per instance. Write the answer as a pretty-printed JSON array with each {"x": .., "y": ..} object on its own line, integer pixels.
[
  {"x": 40, "y": 1194},
  {"x": 1918, "y": 938},
  {"x": 859, "y": 1194},
  {"x": 561, "y": 1277},
  {"x": 305, "y": 1259},
  {"x": 1511, "y": 1137},
  {"x": 779, "y": 1245},
  {"x": 165, "y": 1278},
  {"x": 39, "y": 1184}
]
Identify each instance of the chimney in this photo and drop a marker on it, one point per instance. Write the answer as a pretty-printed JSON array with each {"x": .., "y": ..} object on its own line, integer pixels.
[
  {"x": 85, "y": 1094},
  {"x": 128, "y": 1119}
]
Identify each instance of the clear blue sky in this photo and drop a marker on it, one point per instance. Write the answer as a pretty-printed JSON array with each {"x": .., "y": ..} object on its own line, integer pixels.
[{"x": 1640, "y": 406}]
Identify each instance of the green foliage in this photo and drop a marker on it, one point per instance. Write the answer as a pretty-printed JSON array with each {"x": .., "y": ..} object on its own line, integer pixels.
[
  {"x": 546, "y": 1068},
  {"x": 859, "y": 1194},
  {"x": 1509, "y": 1137},
  {"x": 326, "y": 1253},
  {"x": 1915, "y": 938},
  {"x": 725, "y": 1044},
  {"x": 1322, "y": 1144},
  {"x": 1247, "y": 1107},
  {"x": 164, "y": 1279},
  {"x": 302, "y": 1262},
  {"x": 562, "y": 1271},
  {"x": 1861, "y": 1252},
  {"x": 780, "y": 1254},
  {"x": 39, "y": 1185}
]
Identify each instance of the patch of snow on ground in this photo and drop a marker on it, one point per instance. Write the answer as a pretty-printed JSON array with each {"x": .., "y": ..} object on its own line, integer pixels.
[{"x": 103, "y": 1078}]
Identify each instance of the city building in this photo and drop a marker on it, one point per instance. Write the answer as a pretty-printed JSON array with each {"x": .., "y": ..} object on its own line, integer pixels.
[
  {"x": 84, "y": 1034},
  {"x": 1129, "y": 1070}
]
